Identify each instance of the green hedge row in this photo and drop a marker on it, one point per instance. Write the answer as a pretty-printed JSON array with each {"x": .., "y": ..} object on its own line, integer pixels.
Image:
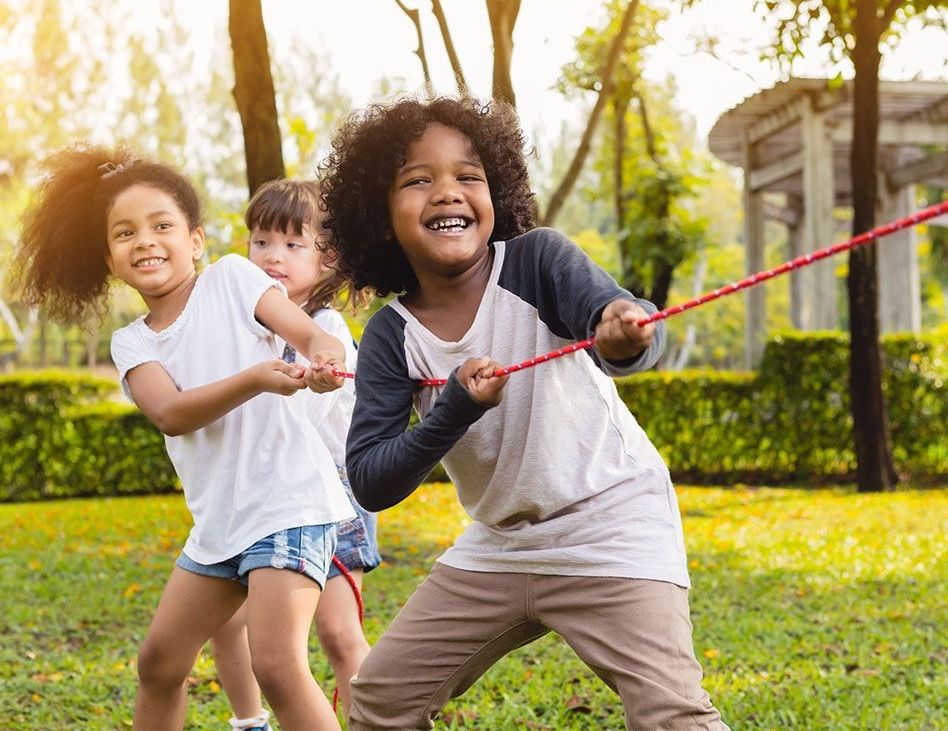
[
  {"x": 59, "y": 437},
  {"x": 790, "y": 421}
]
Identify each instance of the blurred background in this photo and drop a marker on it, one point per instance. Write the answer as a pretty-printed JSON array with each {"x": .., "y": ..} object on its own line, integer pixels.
[{"x": 161, "y": 76}]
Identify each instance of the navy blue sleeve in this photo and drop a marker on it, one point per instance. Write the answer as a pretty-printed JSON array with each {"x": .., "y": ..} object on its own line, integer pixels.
[
  {"x": 385, "y": 460},
  {"x": 546, "y": 269}
]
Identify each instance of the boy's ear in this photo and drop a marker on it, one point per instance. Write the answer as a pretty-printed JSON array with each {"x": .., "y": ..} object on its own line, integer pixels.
[{"x": 197, "y": 243}]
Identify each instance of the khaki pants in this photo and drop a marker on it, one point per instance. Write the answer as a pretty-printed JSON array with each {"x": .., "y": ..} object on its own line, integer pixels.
[{"x": 633, "y": 633}]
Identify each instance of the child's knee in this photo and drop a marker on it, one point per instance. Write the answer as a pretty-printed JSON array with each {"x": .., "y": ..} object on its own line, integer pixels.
[
  {"x": 278, "y": 670},
  {"x": 271, "y": 674},
  {"x": 340, "y": 640},
  {"x": 159, "y": 666},
  {"x": 225, "y": 644}
]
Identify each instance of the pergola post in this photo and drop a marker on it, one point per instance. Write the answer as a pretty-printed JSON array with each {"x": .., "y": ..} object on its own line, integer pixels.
[
  {"x": 756, "y": 303},
  {"x": 899, "y": 280},
  {"x": 795, "y": 249},
  {"x": 819, "y": 310}
]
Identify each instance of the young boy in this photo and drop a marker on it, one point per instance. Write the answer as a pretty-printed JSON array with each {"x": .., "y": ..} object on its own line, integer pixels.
[{"x": 576, "y": 525}]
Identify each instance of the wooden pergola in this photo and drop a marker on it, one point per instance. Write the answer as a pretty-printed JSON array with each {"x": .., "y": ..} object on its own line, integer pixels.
[{"x": 794, "y": 139}]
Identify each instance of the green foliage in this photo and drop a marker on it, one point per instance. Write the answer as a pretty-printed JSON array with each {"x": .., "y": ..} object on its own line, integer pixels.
[
  {"x": 30, "y": 395},
  {"x": 812, "y": 609},
  {"x": 109, "y": 449},
  {"x": 645, "y": 157},
  {"x": 32, "y": 409},
  {"x": 791, "y": 421},
  {"x": 592, "y": 45},
  {"x": 797, "y": 20},
  {"x": 58, "y": 438}
]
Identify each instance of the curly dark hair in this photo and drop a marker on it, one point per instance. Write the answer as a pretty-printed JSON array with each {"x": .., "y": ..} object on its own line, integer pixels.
[
  {"x": 60, "y": 263},
  {"x": 368, "y": 150}
]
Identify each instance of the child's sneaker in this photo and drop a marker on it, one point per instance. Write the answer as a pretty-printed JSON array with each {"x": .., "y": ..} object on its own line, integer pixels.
[{"x": 256, "y": 723}]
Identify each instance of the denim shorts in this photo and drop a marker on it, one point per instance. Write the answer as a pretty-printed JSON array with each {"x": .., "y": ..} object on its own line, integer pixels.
[
  {"x": 356, "y": 545},
  {"x": 307, "y": 550}
]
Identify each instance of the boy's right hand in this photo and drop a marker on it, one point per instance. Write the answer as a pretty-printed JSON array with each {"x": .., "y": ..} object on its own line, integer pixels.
[
  {"x": 278, "y": 376},
  {"x": 477, "y": 377}
]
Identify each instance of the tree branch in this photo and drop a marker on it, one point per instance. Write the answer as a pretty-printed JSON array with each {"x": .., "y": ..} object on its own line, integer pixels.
[
  {"x": 615, "y": 50},
  {"x": 647, "y": 130},
  {"x": 414, "y": 17},
  {"x": 449, "y": 46},
  {"x": 503, "y": 16},
  {"x": 888, "y": 15}
]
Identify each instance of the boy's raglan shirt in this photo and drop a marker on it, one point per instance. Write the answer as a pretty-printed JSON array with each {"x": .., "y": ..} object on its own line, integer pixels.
[
  {"x": 559, "y": 478},
  {"x": 260, "y": 468}
]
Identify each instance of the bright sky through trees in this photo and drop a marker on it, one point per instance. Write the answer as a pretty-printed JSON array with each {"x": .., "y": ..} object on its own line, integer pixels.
[{"x": 367, "y": 39}]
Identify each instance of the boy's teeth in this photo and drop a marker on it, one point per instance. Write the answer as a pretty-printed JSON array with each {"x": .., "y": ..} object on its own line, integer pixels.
[{"x": 444, "y": 223}]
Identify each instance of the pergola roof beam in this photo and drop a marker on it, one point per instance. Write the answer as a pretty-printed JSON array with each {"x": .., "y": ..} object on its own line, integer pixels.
[
  {"x": 919, "y": 171},
  {"x": 786, "y": 215},
  {"x": 784, "y": 116},
  {"x": 786, "y": 167},
  {"x": 900, "y": 133}
]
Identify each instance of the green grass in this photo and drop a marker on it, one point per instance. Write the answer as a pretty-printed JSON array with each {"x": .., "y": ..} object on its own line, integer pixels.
[{"x": 812, "y": 610}]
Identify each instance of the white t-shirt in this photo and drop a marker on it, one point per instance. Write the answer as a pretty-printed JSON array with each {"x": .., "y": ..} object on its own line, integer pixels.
[
  {"x": 261, "y": 468},
  {"x": 332, "y": 412}
]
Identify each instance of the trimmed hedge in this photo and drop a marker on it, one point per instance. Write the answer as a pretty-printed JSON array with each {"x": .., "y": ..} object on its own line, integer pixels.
[
  {"x": 790, "y": 421},
  {"x": 128, "y": 456},
  {"x": 33, "y": 414}
]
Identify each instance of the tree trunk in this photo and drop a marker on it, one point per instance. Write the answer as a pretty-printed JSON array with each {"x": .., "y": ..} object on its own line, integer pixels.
[
  {"x": 619, "y": 106},
  {"x": 253, "y": 91},
  {"x": 661, "y": 284},
  {"x": 605, "y": 90},
  {"x": 503, "y": 17},
  {"x": 875, "y": 470},
  {"x": 92, "y": 347},
  {"x": 449, "y": 46},
  {"x": 43, "y": 340},
  {"x": 663, "y": 268}
]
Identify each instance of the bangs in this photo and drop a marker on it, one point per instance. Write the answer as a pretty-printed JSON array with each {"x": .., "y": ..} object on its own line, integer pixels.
[{"x": 284, "y": 206}]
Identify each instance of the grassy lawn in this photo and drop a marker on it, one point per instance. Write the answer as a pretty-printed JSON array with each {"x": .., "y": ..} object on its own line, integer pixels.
[{"x": 812, "y": 610}]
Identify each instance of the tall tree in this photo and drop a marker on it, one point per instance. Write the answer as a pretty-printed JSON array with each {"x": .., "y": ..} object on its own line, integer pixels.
[
  {"x": 254, "y": 94},
  {"x": 856, "y": 29},
  {"x": 503, "y": 17},
  {"x": 605, "y": 90}
]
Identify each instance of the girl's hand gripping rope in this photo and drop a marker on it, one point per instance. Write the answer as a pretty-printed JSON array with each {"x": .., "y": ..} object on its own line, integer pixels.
[
  {"x": 321, "y": 375},
  {"x": 618, "y": 336},
  {"x": 280, "y": 377},
  {"x": 477, "y": 375}
]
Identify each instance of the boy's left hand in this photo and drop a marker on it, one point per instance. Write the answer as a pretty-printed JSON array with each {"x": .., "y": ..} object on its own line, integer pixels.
[
  {"x": 618, "y": 338},
  {"x": 319, "y": 375}
]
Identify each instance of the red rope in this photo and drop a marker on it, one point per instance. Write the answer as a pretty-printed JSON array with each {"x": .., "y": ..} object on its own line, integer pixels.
[
  {"x": 358, "y": 597},
  {"x": 754, "y": 279}
]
